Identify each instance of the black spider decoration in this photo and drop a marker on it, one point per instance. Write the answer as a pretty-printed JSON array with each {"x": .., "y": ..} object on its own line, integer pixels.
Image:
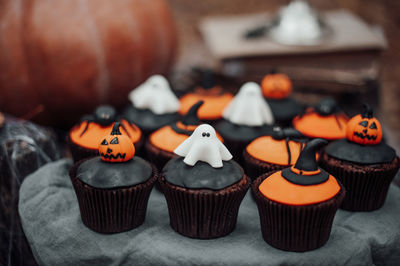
[
  {"x": 289, "y": 134},
  {"x": 104, "y": 115},
  {"x": 326, "y": 107}
]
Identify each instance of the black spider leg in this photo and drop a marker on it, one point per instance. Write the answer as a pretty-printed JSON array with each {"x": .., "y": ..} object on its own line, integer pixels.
[
  {"x": 288, "y": 150},
  {"x": 337, "y": 120},
  {"x": 88, "y": 120},
  {"x": 124, "y": 128}
]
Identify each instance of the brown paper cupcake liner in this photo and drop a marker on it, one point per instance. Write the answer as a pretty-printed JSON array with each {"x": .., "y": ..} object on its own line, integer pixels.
[
  {"x": 78, "y": 152},
  {"x": 366, "y": 186},
  {"x": 158, "y": 156},
  {"x": 112, "y": 210},
  {"x": 295, "y": 228},
  {"x": 203, "y": 213},
  {"x": 255, "y": 168}
]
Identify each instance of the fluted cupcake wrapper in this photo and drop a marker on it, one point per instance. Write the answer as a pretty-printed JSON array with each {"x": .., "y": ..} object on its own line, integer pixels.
[
  {"x": 112, "y": 210},
  {"x": 366, "y": 190},
  {"x": 295, "y": 228},
  {"x": 202, "y": 213},
  {"x": 255, "y": 168},
  {"x": 78, "y": 152},
  {"x": 236, "y": 148},
  {"x": 158, "y": 156}
]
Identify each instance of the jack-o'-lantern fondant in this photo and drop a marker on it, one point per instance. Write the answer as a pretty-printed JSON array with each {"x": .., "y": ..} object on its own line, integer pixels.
[
  {"x": 85, "y": 137},
  {"x": 276, "y": 86},
  {"x": 364, "y": 128},
  {"x": 116, "y": 147},
  {"x": 362, "y": 162}
]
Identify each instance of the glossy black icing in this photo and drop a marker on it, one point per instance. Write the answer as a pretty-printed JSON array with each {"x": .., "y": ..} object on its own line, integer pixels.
[
  {"x": 146, "y": 120},
  {"x": 100, "y": 174},
  {"x": 360, "y": 154},
  {"x": 305, "y": 180},
  {"x": 284, "y": 109},
  {"x": 202, "y": 175},
  {"x": 240, "y": 132}
]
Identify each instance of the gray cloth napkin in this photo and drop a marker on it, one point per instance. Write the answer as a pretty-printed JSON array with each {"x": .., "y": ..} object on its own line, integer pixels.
[{"x": 51, "y": 220}]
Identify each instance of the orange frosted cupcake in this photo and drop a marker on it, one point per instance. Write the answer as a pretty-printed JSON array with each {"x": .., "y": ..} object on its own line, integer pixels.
[
  {"x": 325, "y": 120},
  {"x": 297, "y": 204},
  {"x": 113, "y": 188},
  {"x": 84, "y": 138},
  {"x": 214, "y": 97},
  {"x": 161, "y": 144},
  {"x": 268, "y": 154}
]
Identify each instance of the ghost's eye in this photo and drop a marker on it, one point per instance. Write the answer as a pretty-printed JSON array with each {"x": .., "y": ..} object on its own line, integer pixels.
[
  {"x": 204, "y": 134},
  {"x": 208, "y": 134}
]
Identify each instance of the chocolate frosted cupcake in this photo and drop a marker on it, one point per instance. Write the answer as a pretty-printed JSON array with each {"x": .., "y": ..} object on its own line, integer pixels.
[
  {"x": 268, "y": 154},
  {"x": 325, "y": 120},
  {"x": 84, "y": 138},
  {"x": 113, "y": 189},
  {"x": 246, "y": 118},
  {"x": 161, "y": 144},
  {"x": 362, "y": 163},
  {"x": 214, "y": 97},
  {"x": 154, "y": 105},
  {"x": 297, "y": 204},
  {"x": 277, "y": 89},
  {"x": 203, "y": 187}
]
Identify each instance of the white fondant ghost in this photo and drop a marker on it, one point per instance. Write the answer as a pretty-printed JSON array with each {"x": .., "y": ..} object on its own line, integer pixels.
[
  {"x": 203, "y": 145},
  {"x": 155, "y": 94},
  {"x": 249, "y": 107}
]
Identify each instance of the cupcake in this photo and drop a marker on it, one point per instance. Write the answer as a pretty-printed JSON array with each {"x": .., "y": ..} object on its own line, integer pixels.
[
  {"x": 272, "y": 153},
  {"x": 113, "y": 188},
  {"x": 297, "y": 204},
  {"x": 277, "y": 89},
  {"x": 154, "y": 105},
  {"x": 362, "y": 162},
  {"x": 161, "y": 144},
  {"x": 246, "y": 118},
  {"x": 214, "y": 97},
  {"x": 203, "y": 186},
  {"x": 84, "y": 138},
  {"x": 325, "y": 120}
]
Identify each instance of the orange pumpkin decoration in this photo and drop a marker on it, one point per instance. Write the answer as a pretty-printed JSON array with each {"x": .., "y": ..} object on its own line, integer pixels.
[
  {"x": 116, "y": 147},
  {"x": 68, "y": 56},
  {"x": 276, "y": 86},
  {"x": 364, "y": 128}
]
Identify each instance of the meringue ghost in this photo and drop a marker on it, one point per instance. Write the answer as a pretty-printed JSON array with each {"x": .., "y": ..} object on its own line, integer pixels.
[
  {"x": 203, "y": 145},
  {"x": 249, "y": 107},
  {"x": 155, "y": 94}
]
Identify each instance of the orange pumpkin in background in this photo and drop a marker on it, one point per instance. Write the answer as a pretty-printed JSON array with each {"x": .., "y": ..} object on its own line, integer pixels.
[
  {"x": 116, "y": 147},
  {"x": 364, "y": 128},
  {"x": 276, "y": 86},
  {"x": 65, "y": 57}
]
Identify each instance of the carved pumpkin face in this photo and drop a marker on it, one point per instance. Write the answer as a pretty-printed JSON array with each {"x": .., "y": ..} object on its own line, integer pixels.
[
  {"x": 116, "y": 147},
  {"x": 276, "y": 86},
  {"x": 364, "y": 128}
]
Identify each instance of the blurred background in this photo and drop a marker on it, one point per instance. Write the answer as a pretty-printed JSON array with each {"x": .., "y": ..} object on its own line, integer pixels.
[{"x": 383, "y": 13}]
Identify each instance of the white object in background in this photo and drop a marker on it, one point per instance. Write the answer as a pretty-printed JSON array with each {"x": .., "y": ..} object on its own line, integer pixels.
[
  {"x": 298, "y": 24},
  {"x": 249, "y": 107},
  {"x": 203, "y": 145},
  {"x": 155, "y": 94}
]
